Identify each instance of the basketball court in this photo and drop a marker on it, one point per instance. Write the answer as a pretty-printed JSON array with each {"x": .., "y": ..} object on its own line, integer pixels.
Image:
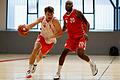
[{"x": 14, "y": 67}]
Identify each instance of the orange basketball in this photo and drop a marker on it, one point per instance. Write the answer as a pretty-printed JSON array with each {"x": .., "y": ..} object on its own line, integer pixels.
[{"x": 23, "y": 30}]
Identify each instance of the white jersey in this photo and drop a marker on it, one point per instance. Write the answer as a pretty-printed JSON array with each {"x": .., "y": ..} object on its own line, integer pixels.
[{"x": 48, "y": 30}]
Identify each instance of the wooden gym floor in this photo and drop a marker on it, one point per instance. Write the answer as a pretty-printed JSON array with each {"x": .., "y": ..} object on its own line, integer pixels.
[{"x": 14, "y": 67}]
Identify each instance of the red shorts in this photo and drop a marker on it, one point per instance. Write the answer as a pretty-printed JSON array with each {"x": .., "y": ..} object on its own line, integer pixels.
[
  {"x": 45, "y": 47},
  {"x": 74, "y": 44}
]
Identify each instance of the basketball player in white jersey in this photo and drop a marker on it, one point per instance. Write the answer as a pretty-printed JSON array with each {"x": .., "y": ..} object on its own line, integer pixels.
[{"x": 50, "y": 30}]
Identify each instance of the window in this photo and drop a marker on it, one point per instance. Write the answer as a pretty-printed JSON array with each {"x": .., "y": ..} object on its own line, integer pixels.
[
  {"x": 119, "y": 3},
  {"x": 99, "y": 13},
  {"x": 17, "y": 11},
  {"x": 88, "y": 6},
  {"x": 32, "y": 12},
  {"x": 89, "y": 12},
  {"x": 104, "y": 15}
]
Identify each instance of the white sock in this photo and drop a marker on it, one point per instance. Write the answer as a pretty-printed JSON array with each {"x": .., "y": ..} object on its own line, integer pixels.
[
  {"x": 59, "y": 69},
  {"x": 35, "y": 63},
  {"x": 91, "y": 62}
]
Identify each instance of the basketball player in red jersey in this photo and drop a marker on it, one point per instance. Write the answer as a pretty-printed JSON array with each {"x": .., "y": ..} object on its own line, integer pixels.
[
  {"x": 50, "y": 30},
  {"x": 77, "y": 28}
]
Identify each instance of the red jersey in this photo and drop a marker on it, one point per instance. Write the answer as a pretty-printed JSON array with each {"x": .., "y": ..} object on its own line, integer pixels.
[{"x": 74, "y": 25}]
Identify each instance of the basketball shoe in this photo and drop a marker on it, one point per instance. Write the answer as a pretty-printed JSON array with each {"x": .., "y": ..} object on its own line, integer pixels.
[
  {"x": 57, "y": 76},
  {"x": 33, "y": 68},
  {"x": 28, "y": 74},
  {"x": 94, "y": 69}
]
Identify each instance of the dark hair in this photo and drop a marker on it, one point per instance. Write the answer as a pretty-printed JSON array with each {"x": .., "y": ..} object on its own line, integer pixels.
[
  {"x": 49, "y": 9},
  {"x": 69, "y": 1}
]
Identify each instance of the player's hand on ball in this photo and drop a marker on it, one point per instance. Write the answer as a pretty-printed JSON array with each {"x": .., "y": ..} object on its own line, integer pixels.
[{"x": 23, "y": 30}]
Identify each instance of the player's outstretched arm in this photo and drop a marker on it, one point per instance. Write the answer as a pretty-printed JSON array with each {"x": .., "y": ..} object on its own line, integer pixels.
[{"x": 31, "y": 25}]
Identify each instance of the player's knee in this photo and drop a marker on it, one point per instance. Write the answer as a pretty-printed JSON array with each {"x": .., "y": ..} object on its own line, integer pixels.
[
  {"x": 80, "y": 52},
  {"x": 36, "y": 47},
  {"x": 64, "y": 53}
]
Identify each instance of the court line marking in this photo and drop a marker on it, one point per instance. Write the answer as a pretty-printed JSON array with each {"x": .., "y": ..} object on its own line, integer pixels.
[
  {"x": 8, "y": 60},
  {"x": 106, "y": 68}
]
